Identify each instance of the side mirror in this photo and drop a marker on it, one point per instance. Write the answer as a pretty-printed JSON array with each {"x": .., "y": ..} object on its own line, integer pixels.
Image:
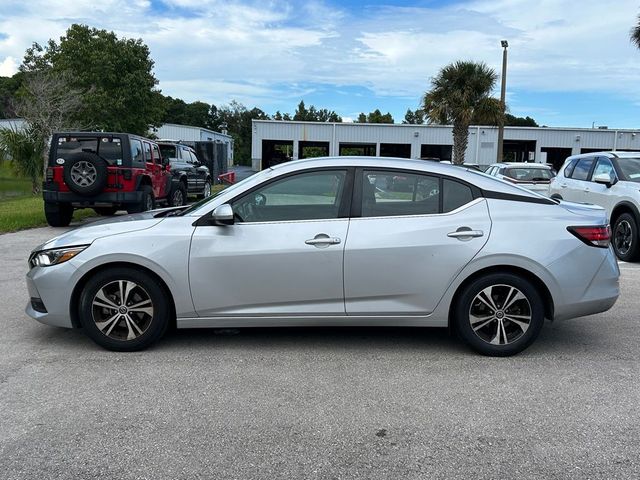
[
  {"x": 604, "y": 179},
  {"x": 223, "y": 215}
]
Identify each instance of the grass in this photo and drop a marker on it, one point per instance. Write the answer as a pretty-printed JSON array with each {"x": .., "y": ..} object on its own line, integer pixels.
[
  {"x": 28, "y": 212},
  {"x": 12, "y": 186}
]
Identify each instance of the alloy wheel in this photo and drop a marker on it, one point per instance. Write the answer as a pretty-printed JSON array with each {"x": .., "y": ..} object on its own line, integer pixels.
[
  {"x": 83, "y": 173},
  {"x": 148, "y": 203},
  {"x": 177, "y": 199},
  {"x": 500, "y": 314},
  {"x": 206, "y": 192},
  {"x": 122, "y": 310},
  {"x": 623, "y": 237}
]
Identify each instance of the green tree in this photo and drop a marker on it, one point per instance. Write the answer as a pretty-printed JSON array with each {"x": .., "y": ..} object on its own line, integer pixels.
[
  {"x": 25, "y": 150},
  {"x": 9, "y": 87},
  {"x": 635, "y": 33},
  {"x": 237, "y": 119},
  {"x": 312, "y": 114},
  {"x": 375, "y": 117},
  {"x": 116, "y": 75},
  {"x": 414, "y": 117},
  {"x": 459, "y": 93},
  {"x": 513, "y": 121}
]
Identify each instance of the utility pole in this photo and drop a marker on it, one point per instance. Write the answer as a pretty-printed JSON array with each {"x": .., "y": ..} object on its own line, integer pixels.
[{"x": 503, "y": 92}]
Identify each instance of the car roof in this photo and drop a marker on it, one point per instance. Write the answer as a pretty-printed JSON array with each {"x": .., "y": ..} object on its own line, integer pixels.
[
  {"x": 521, "y": 165},
  {"x": 608, "y": 154},
  {"x": 102, "y": 134},
  {"x": 470, "y": 175}
]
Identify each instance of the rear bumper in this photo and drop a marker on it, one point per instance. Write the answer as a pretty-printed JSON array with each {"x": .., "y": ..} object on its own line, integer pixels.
[
  {"x": 108, "y": 198},
  {"x": 599, "y": 295}
]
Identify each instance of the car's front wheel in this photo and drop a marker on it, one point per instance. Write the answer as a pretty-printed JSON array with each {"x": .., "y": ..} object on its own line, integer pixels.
[
  {"x": 499, "y": 314},
  {"x": 123, "y": 309},
  {"x": 625, "y": 238},
  {"x": 206, "y": 190}
]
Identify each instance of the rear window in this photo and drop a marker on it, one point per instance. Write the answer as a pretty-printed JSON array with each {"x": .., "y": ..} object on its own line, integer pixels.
[
  {"x": 529, "y": 174},
  {"x": 168, "y": 152},
  {"x": 110, "y": 149}
]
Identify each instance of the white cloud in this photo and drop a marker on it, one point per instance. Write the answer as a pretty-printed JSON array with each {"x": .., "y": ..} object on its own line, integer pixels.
[
  {"x": 8, "y": 67},
  {"x": 260, "y": 52}
]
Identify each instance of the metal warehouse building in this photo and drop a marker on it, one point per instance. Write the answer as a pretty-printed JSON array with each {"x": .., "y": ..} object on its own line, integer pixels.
[
  {"x": 277, "y": 141},
  {"x": 189, "y": 134}
]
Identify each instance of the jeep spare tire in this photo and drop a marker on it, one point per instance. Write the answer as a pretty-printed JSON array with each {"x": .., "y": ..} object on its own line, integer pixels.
[{"x": 85, "y": 173}]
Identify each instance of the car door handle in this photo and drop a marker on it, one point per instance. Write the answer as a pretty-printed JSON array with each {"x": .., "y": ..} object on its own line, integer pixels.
[
  {"x": 323, "y": 240},
  {"x": 463, "y": 233},
  {"x": 563, "y": 185}
]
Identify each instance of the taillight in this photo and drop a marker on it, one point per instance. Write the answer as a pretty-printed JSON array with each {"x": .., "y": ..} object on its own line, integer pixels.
[{"x": 596, "y": 236}]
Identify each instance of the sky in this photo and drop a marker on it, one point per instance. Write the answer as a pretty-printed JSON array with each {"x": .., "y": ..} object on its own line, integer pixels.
[{"x": 571, "y": 63}]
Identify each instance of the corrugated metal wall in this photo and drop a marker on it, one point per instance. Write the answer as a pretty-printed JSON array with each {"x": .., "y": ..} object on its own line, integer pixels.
[{"x": 482, "y": 147}]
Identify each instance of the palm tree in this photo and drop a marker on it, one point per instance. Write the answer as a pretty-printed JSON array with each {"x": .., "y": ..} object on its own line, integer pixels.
[
  {"x": 25, "y": 149},
  {"x": 635, "y": 34},
  {"x": 460, "y": 95}
]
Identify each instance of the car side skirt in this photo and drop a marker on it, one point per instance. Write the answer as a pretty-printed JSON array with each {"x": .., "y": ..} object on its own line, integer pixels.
[{"x": 312, "y": 321}]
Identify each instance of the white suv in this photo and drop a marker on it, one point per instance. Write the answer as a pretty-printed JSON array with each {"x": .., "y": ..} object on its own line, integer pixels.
[{"x": 611, "y": 180}]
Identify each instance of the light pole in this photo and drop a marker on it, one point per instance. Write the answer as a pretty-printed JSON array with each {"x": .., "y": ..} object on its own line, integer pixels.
[{"x": 503, "y": 92}]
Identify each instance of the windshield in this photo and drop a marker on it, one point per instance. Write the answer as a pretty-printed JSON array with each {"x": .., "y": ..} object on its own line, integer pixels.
[
  {"x": 230, "y": 188},
  {"x": 630, "y": 168},
  {"x": 529, "y": 174},
  {"x": 168, "y": 151},
  {"x": 108, "y": 148}
]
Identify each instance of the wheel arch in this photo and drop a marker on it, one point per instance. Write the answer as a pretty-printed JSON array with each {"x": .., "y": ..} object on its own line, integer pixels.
[
  {"x": 536, "y": 281},
  {"x": 624, "y": 207},
  {"x": 74, "y": 304},
  {"x": 143, "y": 180}
]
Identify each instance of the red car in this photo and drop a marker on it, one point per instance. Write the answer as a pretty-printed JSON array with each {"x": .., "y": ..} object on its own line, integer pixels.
[{"x": 107, "y": 172}]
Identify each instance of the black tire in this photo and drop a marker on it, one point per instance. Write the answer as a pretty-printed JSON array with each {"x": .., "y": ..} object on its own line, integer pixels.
[
  {"x": 106, "y": 211},
  {"x": 147, "y": 202},
  {"x": 102, "y": 323},
  {"x": 58, "y": 214},
  {"x": 512, "y": 338},
  {"x": 205, "y": 189},
  {"x": 625, "y": 238},
  {"x": 178, "y": 195},
  {"x": 85, "y": 173}
]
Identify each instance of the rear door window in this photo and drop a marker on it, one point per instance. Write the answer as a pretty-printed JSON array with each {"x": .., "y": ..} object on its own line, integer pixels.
[
  {"x": 136, "y": 151},
  {"x": 387, "y": 193},
  {"x": 147, "y": 152},
  {"x": 582, "y": 169}
]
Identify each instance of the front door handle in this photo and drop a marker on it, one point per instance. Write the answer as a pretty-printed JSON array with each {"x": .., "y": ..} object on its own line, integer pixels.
[
  {"x": 563, "y": 185},
  {"x": 465, "y": 233},
  {"x": 322, "y": 240}
]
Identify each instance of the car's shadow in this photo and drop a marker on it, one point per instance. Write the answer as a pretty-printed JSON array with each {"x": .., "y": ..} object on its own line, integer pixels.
[{"x": 564, "y": 339}]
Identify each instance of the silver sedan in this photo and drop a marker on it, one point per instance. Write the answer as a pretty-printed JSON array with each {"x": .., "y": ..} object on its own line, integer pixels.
[{"x": 335, "y": 241}]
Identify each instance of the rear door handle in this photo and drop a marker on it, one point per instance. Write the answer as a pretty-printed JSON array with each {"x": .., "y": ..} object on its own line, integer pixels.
[
  {"x": 465, "y": 233},
  {"x": 563, "y": 185}
]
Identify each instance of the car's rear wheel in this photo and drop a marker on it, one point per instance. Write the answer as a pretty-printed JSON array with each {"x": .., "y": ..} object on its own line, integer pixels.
[
  {"x": 625, "y": 238},
  {"x": 206, "y": 190},
  {"x": 106, "y": 211},
  {"x": 124, "y": 309},
  {"x": 58, "y": 214},
  {"x": 499, "y": 314},
  {"x": 147, "y": 202}
]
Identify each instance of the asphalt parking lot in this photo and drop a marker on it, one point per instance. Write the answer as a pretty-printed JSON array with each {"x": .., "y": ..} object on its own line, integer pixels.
[{"x": 316, "y": 403}]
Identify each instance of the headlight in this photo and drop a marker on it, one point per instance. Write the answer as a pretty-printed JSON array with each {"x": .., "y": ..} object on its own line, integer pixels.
[{"x": 55, "y": 256}]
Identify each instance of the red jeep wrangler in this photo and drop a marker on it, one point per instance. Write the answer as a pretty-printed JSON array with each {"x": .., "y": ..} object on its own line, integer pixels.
[{"x": 107, "y": 172}]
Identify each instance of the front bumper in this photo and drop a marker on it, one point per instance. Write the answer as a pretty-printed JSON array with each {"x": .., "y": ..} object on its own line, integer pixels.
[{"x": 53, "y": 287}]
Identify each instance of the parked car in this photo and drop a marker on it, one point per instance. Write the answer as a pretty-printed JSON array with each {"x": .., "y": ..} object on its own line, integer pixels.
[
  {"x": 107, "y": 172},
  {"x": 534, "y": 176},
  {"x": 324, "y": 242},
  {"x": 611, "y": 180},
  {"x": 187, "y": 168}
]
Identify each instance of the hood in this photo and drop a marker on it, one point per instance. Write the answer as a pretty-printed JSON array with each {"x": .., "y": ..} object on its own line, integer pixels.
[{"x": 86, "y": 234}]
